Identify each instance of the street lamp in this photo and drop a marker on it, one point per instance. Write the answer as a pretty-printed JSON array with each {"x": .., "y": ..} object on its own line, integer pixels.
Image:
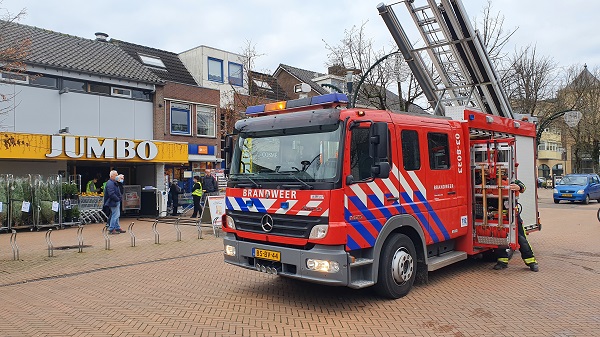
[
  {"x": 572, "y": 118},
  {"x": 364, "y": 76}
]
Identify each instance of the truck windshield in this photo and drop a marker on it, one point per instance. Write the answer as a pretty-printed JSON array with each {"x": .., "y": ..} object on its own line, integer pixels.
[{"x": 297, "y": 158}]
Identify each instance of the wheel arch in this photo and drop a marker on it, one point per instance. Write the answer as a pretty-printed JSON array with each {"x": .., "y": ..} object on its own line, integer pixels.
[{"x": 404, "y": 224}]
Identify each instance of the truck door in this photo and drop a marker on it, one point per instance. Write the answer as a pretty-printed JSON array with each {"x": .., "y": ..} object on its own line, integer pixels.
[
  {"x": 447, "y": 214},
  {"x": 368, "y": 202}
]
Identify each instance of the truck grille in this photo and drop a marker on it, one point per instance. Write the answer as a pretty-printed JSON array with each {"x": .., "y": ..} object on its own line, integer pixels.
[{"x": 284, "y": 225}]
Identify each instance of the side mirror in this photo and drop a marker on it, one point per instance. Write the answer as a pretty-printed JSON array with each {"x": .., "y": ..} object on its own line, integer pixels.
[
  {"x": 378, "y": 149},
  {"x": 228, "y": 149},
  {"x": 378, "y": 141},
  {"x": 381, "y": 170}
]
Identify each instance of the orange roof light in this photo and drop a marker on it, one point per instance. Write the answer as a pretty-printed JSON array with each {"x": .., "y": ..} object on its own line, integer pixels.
[{"x": 275, "y": 106}]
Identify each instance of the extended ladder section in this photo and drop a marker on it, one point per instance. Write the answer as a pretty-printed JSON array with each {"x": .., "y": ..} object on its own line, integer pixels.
[{"x": 459, "y": 60}]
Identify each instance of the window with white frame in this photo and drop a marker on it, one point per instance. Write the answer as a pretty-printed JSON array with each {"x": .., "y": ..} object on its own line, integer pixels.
[
  {"x": 14, "y": 77},
  {"x": 205, "y": 121},
  {"x": 151, "y": 61},
  {"x": 215, "y": 70},
  {"x": 180, "y": 119},
  {"x": 236, "y": 74},
  {"x": 262, "y": 84},
  {"x": 121, "y": 92}
]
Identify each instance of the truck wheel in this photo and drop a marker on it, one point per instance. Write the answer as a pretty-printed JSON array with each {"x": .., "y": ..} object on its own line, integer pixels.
[{"x": 397, "y": 267}]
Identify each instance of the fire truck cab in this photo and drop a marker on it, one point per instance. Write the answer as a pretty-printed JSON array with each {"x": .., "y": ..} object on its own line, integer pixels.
[{"x": 359, "y": 197}]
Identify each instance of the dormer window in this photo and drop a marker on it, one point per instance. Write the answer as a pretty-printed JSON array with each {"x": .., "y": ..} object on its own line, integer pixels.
[{"x": 152, "y": 61}]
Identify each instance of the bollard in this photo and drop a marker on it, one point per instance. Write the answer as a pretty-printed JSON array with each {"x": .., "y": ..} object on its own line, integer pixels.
[
  {"x": 106, "y": 238},
  {"x": 177, "y": 230},
  {"x": 216, "y": 225},
  {"x": 13, "y": 244},
  {"x": 49, "y": 243},
  {"x": 199, "y": 228},
  {"x": 80, "y": 238},
  {"x": 130, "y": 230},
  {"x": 156, "y": 235}
]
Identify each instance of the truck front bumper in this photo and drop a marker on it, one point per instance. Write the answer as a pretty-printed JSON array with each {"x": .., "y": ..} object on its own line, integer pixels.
[{"x": 292, "y": 262}]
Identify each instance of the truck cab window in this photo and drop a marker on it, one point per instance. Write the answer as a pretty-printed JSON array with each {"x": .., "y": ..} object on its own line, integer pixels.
[
  {"x": 360, "y": 161},
  {"x": 439, "y": 152},
  {"x": 411, "y": 155}
]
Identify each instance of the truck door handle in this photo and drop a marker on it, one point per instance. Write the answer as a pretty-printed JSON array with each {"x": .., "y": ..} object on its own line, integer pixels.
[
  {"x": 392, "y": 199},
  {"x": 452, "y": 192}
]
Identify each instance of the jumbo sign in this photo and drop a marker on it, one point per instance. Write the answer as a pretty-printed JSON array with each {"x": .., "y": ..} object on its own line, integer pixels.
[
  {"x": 58, "y": 147},
  {"x": 108, "y": 149}
]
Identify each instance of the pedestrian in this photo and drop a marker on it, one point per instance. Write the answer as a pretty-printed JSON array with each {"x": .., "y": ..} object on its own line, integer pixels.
[
  {"x": 524, "y": 247},
  {"x": 91, "y": 186},
  {"x": 209, "y": 183},
  {"x": 113, "y": 200},
  {"x": 196, "y": 195},
  {"x": 174, "y": 192}
]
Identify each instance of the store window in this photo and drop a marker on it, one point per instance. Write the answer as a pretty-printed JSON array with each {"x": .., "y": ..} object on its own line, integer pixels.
[
  {"x": 215, "y": 70},
  {"x": 99, "y": 88},
  {"x": 180, "y": 119},
  {"x": 205, "y": 121},
  {"x": 44, "y": 81},
  {"x": 236, "y": 74},
  {"x": 74, "y": 85},
  {"x": 411, "y": 155},
  {"x": 439, "y": 152},
  {"x": 14, "y": 77}
]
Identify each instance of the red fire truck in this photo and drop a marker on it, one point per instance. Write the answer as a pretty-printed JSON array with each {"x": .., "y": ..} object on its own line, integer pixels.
[{"x": 359, "y": 197}]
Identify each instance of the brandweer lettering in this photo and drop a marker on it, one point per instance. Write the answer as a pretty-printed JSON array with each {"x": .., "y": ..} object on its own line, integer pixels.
[{"x": 271, "y": 194}]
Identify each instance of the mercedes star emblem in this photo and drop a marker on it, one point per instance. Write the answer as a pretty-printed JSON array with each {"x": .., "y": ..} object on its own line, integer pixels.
[{"x": 266, "y": 223}]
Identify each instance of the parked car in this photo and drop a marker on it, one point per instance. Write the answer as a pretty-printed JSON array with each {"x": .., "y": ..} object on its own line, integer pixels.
[
  {"x": 578, "y": 187},
  {"x": 541, "y": 182}
]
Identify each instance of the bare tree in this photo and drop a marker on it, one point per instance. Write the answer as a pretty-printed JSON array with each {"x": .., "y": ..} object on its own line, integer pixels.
[
  {"x": 356, "y": 51},
  {"x": 494, "y": 35},
  {"x": 529, "y": 79},
  {"x": 13, "y": 51},
  {"x": 580, "y": 91}
]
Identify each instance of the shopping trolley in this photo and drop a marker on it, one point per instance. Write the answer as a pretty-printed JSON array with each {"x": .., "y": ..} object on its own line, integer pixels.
[{"x": 90, "y": 208}]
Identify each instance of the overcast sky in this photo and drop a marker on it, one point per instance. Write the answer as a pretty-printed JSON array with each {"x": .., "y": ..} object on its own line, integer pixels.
[{"x": 292, "y": 32}]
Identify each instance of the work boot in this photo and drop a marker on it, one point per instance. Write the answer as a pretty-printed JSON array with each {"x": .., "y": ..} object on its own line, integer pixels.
[
  {"x": 500, "y": 265},
  {"x": 534, "y": 266}
]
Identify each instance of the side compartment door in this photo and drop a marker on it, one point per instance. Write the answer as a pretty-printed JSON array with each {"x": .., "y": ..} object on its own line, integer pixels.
[
  {"x": 443, "y": 207},
  {"x": 368, "y": 202}
]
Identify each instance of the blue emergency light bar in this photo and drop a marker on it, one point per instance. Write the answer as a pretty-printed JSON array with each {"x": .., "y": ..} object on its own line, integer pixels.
[{"x": 332, "y": 98}]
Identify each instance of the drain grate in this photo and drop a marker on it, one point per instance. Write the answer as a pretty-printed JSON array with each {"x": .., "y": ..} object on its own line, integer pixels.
[{"x": 71, "y": 247}]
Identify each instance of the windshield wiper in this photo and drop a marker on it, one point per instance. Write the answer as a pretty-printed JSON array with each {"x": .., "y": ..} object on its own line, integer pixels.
[
  {"x": 253, "y": 183},
  {"x": 296, "y": 177}
]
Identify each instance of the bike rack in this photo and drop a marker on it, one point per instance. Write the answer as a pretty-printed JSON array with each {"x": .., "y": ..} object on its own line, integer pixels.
[
  {"x": 13, "y": 244},
  {"x": 130, "y": 230},
  {"x": 49, "y": 243},
  {"x": 177, "y": 230},
  {"x": 156, "y": 235},
  {"x": 199, "y": 228},
  {"x": 80, "y": 238},
  {"x": 106, "y": 238}
]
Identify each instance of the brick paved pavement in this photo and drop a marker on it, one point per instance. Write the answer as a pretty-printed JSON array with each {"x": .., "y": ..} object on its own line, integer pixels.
[{"x": 184, "y": 289}]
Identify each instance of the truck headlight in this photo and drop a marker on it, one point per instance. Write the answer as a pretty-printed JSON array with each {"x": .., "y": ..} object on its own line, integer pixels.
[
  {"x": 318, "y": 232},
  {"x": 229, "y": 250},
  {"x": 323, "y": 265},
  {"x": 230, "y": 222}
]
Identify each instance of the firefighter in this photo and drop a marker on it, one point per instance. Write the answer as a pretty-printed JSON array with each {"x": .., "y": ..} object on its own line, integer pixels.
[{"x": 524, "y": 246}]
